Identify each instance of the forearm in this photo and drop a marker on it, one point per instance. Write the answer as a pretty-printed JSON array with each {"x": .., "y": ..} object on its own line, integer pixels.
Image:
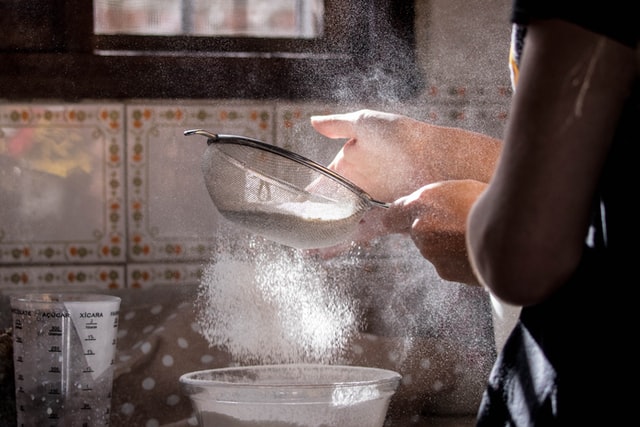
[
  {"x": 470, "y": 155},
  {"x": 431, "y": 153}
]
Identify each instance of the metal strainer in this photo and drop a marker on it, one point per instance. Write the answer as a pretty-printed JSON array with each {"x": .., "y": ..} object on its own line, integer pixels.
[{"x": 279, "y": 194}]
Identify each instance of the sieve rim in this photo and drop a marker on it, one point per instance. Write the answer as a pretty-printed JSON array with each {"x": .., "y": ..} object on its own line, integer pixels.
[{"x": 213, "y": 138}]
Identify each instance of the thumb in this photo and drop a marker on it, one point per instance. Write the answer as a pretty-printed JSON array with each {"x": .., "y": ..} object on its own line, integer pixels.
[{"x": 401, "y": 214}]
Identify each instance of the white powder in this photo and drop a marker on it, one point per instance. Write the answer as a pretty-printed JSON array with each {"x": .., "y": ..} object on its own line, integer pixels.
[
  {"x": 317, "y": 211},
  {"x": 266, "y": 303}
]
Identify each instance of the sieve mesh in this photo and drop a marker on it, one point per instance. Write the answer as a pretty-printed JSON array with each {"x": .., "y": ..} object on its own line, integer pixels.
[{"x": 279, "y": 194}]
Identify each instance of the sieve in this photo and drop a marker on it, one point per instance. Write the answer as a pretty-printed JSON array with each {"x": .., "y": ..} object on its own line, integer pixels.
[{"x": 279, "y": 194}]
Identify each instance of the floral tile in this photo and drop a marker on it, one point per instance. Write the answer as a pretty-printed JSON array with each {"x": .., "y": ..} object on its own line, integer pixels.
[
  {"x": 63, "y": 277},
  {"x": 151, "y": 274},
  {"x": 120, "y": 186},
  {"x": 170, "y": 214},
  {"x": 61, "y": 183}
]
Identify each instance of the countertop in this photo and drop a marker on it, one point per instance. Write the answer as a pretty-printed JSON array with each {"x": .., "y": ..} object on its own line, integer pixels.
[{"x": 435, "y": 421}]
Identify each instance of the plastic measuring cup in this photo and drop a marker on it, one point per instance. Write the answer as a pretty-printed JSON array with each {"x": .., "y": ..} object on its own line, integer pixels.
[{"x": 64, "y": 347}]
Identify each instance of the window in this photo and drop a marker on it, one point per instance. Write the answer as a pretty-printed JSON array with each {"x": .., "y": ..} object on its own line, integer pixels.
[
  {"x": 353, "y": 50},
  {"x": 249, "y": 18}
]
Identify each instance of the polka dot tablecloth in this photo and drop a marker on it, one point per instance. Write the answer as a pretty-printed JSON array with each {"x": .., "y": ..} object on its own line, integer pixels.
[{"x": 158, "y": 341}]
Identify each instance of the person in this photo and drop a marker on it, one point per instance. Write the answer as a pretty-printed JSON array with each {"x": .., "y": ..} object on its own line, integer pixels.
[
  {"x": 552, "y": 230},
  {"x": 543, "y": 220}
]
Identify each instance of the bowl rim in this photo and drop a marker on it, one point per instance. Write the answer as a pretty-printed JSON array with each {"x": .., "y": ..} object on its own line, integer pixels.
[{"x": 387, "y": 376}]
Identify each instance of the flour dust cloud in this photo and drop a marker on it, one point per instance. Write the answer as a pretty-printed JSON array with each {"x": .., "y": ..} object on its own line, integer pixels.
[{"x": 266, "y": 303}]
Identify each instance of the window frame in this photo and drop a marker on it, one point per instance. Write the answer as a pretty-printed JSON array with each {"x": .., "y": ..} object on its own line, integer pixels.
[{"x": 362, "y": 38}]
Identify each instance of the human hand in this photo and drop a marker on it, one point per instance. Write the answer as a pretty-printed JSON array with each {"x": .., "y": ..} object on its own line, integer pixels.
[
  {"x": 390, "y": 155},
  {"x": 435, "y": 218},
  {"x": 371, "y": 144}
]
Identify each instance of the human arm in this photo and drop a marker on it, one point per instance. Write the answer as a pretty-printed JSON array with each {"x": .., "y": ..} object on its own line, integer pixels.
[
  {"x": 526, "y": 232},
  {"x": 431, "y": 174},
  {"x": 391, "y": 155}
]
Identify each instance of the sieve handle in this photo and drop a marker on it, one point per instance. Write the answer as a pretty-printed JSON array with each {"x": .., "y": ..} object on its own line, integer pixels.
[{"x": 379, "y": 204}]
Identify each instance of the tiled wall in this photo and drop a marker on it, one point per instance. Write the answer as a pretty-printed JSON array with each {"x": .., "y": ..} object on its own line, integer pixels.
[{"x": 111, "y": 194}]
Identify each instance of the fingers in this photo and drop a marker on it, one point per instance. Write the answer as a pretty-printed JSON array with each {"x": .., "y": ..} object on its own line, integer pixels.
[
  {"x": 357, "y": 124},
  {"x": 440, "y": 206},
  {"x": 335, "y": 125},
  {"x": 405, "y": 211}
]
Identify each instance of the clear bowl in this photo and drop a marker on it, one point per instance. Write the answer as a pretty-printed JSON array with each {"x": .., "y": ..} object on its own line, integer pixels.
[{"x": 291, "y": 395}]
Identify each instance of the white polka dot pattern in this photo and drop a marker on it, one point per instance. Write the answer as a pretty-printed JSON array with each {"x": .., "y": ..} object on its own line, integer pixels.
[
  {"x": 425, "y": 363},
  {"x": 148, "y": 383},
  {"x": 167, "y": 360},
  {"x": 127, "y": 408},
  {"x": 145, "y": 347},
  {"x": 173, "y": 400},
  {"x": 155, "y": 346}
]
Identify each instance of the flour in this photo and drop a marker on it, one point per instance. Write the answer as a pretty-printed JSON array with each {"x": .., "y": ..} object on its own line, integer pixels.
[
  {"x": 309, "y": 210},
  {"x": 293, "y": 230},
  {"x": 266, "y": 303}
]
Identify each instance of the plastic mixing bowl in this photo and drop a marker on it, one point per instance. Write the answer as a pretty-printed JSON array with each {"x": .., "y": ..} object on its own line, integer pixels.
[{"x": 291, "y": 395}]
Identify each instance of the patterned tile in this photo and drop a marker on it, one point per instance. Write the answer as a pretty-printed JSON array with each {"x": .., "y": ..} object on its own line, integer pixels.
[
  {"x": 62, "y": 183},
  {"x": 151, "y": 274},
  {"x": 112, "y": 194},
  {"x": 63, "y": 277},
  {"x": 170, "y": 214}
]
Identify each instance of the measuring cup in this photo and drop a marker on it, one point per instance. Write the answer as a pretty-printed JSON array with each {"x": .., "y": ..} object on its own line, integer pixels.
[{"x": 64, "y": 347}]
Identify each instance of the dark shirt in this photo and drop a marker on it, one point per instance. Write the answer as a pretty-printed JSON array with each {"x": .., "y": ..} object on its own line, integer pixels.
[{"x": 566, "y": 359}]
